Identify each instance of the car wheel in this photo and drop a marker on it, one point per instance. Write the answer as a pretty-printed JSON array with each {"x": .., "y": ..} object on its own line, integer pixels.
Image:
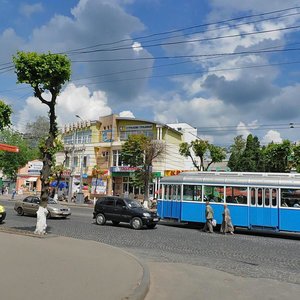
[
  {"x": 115, "y": 223},
  {"x": 20, "y": 211},
  {"x": 136, "y": 223},
  {"x": 100, "y": 219},
  {"x": 151, "y": 226}
]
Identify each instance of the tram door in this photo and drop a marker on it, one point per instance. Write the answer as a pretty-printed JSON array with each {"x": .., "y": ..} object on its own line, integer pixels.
[
  {"x": 172, "y": 205},
  {"x": 264, "y": 207}
]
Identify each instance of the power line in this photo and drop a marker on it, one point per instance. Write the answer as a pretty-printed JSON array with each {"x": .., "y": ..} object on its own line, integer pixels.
[
  {"x": 193, "y": 73},
  {"x": 186, "y": 28},
  {"x": 192, "y": 41},
  {"x": 216, "y": 55}
]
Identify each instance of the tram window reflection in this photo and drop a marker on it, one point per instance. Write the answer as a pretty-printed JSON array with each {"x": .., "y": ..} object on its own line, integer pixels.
[
  {"x": 290, "y": 198},
  {"x": 267, "y": 197},
  {"x": 214, "y": 193},
  {"x": 259, "y": 197},
  {"x": 252, "y": 196},
  {"x": 166, "y": 197},
  {"x": 192, "y": 192},
  {"x": 179, "y": 192},
  {"x": 274, "y": 197},
  {"x": 236, "y": 195}
]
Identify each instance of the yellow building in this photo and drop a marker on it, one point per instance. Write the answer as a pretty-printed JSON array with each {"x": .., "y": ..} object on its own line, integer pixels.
[{"x": 93, "y": 149}]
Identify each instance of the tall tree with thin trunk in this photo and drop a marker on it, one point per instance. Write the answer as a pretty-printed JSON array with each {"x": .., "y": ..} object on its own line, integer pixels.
[
  {"x": 140, "y": 151},
  {"x": 46, "y": 74}
]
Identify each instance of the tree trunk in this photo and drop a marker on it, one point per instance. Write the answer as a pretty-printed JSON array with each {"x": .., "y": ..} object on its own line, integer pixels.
[{"x": 47, "y": 160}]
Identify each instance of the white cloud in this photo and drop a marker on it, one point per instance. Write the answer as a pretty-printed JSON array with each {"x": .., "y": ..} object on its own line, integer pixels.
[
  {"x": 29, "y": 9},
  {"x": 126, "y": 114},
  {"x": 72, "y": 101},
  {"x": 272, "y": 136},
  {"x": 113, "y": 23},
  {"x": 242, "y": 129},
  {"x": 137, "y": 47}
]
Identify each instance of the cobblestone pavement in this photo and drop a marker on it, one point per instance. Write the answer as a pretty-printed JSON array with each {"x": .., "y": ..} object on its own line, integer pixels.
[{"x": 243, "y": 255}]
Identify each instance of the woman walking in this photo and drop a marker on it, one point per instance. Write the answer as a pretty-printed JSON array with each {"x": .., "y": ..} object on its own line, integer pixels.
[{"x": 226, "y": 223}]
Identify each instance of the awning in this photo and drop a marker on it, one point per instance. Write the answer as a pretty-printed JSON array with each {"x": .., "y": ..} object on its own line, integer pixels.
[{"x": 31, "y": 179}]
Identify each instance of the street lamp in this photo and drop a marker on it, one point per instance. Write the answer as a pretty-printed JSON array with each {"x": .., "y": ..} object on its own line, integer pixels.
[{"x": 80, "y": 195}]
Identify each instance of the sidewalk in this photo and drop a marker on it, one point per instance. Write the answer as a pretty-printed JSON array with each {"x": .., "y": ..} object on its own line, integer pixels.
[
  {"x": 189, "y": 282},
  {"x": 54, "y": 267}
]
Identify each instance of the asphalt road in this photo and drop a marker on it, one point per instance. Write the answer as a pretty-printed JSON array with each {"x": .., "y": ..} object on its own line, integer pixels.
[{"x": 257, "y": 256}]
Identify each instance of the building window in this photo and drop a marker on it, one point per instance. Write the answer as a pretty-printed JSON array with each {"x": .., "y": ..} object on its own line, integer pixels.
[
  {"x": 117, "y": 158},
  {"x": 67, "y": 162},
  {"x": 75, "y": 161}
]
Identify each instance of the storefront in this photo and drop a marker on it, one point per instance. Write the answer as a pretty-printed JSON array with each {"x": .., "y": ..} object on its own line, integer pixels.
[{"x": 28, "y": 178}]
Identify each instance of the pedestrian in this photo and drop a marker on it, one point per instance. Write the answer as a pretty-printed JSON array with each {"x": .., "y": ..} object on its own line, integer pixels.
[
  {"x": 226, "y": 223},
  {"x": 2, "y": 190},
  {"x": 6, "y": 190},
  {"x": 13, "y": 194},
  {"x": 209, "y": 215}
]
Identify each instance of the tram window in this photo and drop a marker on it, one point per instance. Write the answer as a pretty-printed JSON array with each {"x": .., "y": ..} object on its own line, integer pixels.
[
  {"x": 267, "y": 197},
  {"x": 179, "y": 192},
  {"x": 252, "y": 196},
  {"x": 214, "y": 193},
  {"x": 192, "y": 192},
  {"x": 187, "y": 193},
  {"x": 166, "y": 197},
  {"x": 172, "y": 192},
  {"x": 197, "y": 193},
  {"x": 274, "y": 197},
  {"x": 259, "y": 197},
  {"x": 290, "y": 198},
  {"x": 237, "y": 195}
]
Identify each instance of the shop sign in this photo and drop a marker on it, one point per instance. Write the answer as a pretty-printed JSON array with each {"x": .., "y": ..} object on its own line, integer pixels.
[
  {"x": 136, "y": 127},
  {"x": 172, "y": 172},
  {"x": 35, "y": 167},
  {"x": 122, "y": 169},
  {"x": 99, "y": 186}
]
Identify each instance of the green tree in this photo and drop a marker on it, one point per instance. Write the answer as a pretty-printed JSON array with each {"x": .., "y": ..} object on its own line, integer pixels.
[
  {"x": 140, "y": 151},
  {"x": 44, "y": 72},
  {"x": 5, "y": 114},
  {"x": 251, "y": 158},
  {"x": 296, "y": 157},
  {"x": 11, "y": 162},
  {"x": 277, "y": 157},
  {"x": 236, "y": 151},
  {"x": 199, "y": 148}
]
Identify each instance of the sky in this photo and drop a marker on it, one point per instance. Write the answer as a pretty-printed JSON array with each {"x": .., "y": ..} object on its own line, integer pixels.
[{"x": 226, "y": 67}]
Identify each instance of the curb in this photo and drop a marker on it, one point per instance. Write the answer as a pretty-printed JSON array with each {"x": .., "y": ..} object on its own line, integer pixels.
[
  {"x": 21, "y": 232},
  {"x": 141, "y": 291}
]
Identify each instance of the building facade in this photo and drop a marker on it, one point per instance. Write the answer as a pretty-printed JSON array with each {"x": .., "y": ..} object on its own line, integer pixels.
[{"x": 92, "y": 154}]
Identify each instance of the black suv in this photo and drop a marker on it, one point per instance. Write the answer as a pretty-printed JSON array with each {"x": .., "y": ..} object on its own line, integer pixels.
[{"x": 126, "y": 210}]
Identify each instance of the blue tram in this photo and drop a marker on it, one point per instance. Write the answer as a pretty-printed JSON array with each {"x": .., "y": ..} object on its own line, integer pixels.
[{"x": 269, "y": 201}]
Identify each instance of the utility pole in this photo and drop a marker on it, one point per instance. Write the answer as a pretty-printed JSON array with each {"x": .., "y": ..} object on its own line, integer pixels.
[
  {"x": 80, "y": 195},
  {"x": 70, "y": 192}
]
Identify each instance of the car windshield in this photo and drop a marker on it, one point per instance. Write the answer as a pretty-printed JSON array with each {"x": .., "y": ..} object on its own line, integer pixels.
[
  {"x": 132, "y": 203},
  {"x": 51, "y": 201}
]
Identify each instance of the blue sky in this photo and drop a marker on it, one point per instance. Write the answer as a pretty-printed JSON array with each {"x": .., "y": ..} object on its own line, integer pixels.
[{"x": 199, "y": 62}]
